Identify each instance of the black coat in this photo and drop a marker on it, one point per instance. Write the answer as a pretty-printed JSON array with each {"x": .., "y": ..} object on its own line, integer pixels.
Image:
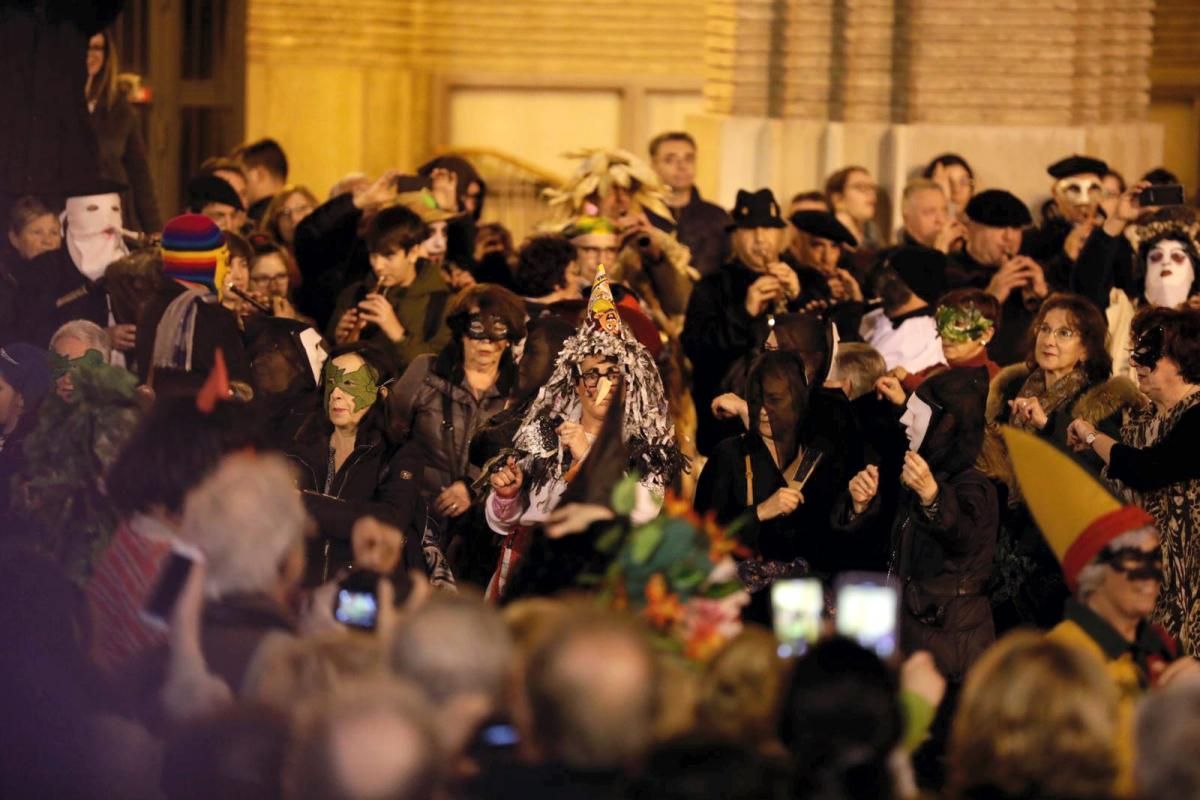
[
  {"x": 717, "y": 331},
  {"x": 702, "y": 227},
  {"x": 46, "y": 143},
  {"x": 215, "y": 327},
  {"x": 329, "y": 255},
  {"x": 374, "y": 481},
  {"x": 943, "y": 559},
  {"x": 53, "y": 291},
  {"x": 123, "y": 159}
]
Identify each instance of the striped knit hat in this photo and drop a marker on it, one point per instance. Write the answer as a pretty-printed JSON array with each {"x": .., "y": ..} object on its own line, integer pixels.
[{"x": 194, "y": 251}]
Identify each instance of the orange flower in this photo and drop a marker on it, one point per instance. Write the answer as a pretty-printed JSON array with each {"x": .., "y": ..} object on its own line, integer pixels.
[
  {"x": 662, "y": 608},
  {"x": 720, "y": 544}
]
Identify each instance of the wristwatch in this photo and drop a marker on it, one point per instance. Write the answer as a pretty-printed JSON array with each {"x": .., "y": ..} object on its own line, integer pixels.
[{"x": 1091, "y": 437}]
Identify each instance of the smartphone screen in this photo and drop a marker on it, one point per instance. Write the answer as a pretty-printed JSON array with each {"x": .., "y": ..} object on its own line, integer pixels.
[
  {"x": 867, "y": 612},
  {"x": 358, "y": 609},
  {"x": 796, "y": 607},
  {"x": 171, "y": 578},
  {"x": 1164, "y": 195}
]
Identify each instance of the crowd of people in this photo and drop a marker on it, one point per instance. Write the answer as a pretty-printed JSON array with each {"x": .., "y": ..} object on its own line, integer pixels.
[{"x": 369, "y": 497}]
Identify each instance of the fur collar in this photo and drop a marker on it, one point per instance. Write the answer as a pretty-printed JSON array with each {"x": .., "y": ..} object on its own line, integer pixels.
[{"x": 1097, "y": 403}]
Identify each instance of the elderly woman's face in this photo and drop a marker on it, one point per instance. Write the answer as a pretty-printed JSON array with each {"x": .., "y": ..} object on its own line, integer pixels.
[
  {"x": 484, "y": 342},
  {"x": 1126, "y": 586},
  {"x": 1059, "y": 342},
  {"x": 41, "y": 235},
  {"x": 350, "y": 391},
  {"x": 1160, "y": 382}
]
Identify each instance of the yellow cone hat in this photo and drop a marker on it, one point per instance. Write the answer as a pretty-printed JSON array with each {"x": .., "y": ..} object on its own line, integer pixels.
[
  {"x": 1076, "y": 514},
  {"x": 601, "y": 307}
]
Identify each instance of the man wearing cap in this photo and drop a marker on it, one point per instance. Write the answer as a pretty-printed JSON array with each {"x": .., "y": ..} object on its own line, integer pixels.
[
  {"x": 819, "y": 243},
  {"x": 184, "y": 324},
  {"x": 1076, "y": 191},
  {"x": 989, "y": 260},
  {"x": 1112, "y": 564},
  {"x": 216, "y": 199},
  {"x": 732, "y": 310}
]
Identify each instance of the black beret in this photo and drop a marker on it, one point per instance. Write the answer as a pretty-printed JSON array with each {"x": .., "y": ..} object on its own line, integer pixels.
[
  {"x": 922, "y": 268},
  {"x": 997, "y": 208},
  {"x": 824, "y": 225},
  {"x": 205, "y": 189},
  {"x": 1077, "y": 165}
]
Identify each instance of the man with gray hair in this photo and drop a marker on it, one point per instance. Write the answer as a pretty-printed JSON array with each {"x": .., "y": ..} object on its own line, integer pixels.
[
  {"x": 248, "y": 521},
  {"x": 459, "y": 652}
]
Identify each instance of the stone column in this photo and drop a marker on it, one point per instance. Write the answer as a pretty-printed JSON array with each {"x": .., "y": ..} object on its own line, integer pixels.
[
  {"x": 862, "y": 71},
  {"x": 740, "y": 57}
]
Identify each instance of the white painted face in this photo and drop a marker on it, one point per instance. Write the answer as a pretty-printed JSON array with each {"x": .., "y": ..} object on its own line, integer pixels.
[
  {"x": 1169, "y": 274},
  {"x": 93, "y": 232},
  {"x": 916, "y": 418}
]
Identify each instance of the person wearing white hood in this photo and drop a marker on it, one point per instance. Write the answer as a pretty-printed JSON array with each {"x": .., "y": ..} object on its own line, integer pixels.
[{"x": 66, "y": 284}]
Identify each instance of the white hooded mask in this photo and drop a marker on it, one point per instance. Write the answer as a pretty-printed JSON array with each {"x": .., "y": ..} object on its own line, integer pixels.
[
  {"x": 1169, "y": 274},
  {"x": 92, "y": 229}
]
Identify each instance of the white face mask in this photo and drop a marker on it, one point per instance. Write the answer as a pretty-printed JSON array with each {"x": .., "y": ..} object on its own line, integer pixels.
[
  {"x": 916, "y": 418},
  {"x": 93, "y": 232},
  {"x": 1169, "y": 274}
]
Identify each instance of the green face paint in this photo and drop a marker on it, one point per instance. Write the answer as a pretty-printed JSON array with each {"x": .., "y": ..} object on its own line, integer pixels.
[
  {"x": 61, "y": 365},
  {"x": 961, "y": 324},
  {"x": 360, "y": 385}
]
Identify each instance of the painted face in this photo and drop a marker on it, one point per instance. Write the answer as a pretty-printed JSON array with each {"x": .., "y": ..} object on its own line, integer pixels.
[
  {"x": 351, "y": 388},
  {"x": 434, "y": 248},
  {"x": 1078, "y": 196},
  {"x": 915, "y": 419},
  {"x": 1169, "y": 274},
  {"x": 1059, "y": 342},
  {"x": 41, "y": 235},
  {"x": 93, "y": 225}
]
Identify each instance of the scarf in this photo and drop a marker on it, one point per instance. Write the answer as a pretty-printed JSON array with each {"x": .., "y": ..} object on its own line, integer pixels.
[
  {"x": 1053, "y": 397},
  {"x": 176, "y": 332}
]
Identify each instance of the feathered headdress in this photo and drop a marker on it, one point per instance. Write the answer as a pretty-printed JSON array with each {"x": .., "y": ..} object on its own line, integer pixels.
[
  {"x": 600, "y": 171},
  {"x": 646, "y": 428},
  {"x": 1174, "y": 220}
]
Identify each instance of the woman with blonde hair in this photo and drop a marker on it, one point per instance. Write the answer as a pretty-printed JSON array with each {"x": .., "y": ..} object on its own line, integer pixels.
[{"x": 1037, "y": 720}]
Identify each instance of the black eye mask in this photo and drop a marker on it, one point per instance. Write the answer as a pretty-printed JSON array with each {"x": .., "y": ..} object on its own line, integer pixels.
[
  {"x": 1134, "y": 564},
  {"x": 1148, "y": 349},
  {"x": 489, "y": 328}
]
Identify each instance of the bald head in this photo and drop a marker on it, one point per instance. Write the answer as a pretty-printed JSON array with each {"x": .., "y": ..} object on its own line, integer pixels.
[{"x": 593, "y": 691}]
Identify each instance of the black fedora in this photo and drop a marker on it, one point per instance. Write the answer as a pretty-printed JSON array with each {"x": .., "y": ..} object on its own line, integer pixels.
[{"x": 756, "y": 210}]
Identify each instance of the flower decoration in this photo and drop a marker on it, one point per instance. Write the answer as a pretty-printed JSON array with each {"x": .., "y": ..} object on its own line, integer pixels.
[{"x": 676, "y": 572}]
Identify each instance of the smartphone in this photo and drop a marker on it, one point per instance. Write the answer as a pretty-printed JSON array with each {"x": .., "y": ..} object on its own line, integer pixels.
[
  {"x": 868, "y": 607},
  {"x": 356, "y": 603},
  {"x": 1170, "y": 194},
  {"x": 796, "y": 608},
  {"x": 168, "y": 586}
]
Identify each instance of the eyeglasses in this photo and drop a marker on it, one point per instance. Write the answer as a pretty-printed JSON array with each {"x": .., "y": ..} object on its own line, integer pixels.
[
  {"x": 591, "y": 378},
  {"x": 1062, "y": 334},
  {"x": 296, "y": 211},
  {"x": 861, "y": 187},
  {"x": 269, "y": 280}
]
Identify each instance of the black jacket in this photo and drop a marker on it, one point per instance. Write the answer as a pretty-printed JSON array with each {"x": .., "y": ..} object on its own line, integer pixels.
[
  {"x": 330, "y": 255},
  {"x": 717, "y": 332},
  {"x": 702, "y": 227},
  {"x": 53, "y": 291},
  {"x": 943, "y": 558},
  {"x": 1171, "y": 460},
  {"x": 215, "y": 327},
  {"x": 374, "y": 481},
  {"x": 123, "y": 159}
]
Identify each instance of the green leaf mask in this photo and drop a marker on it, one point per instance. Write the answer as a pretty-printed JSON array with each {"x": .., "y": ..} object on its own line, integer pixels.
[
  {"x": 61, "y": 365},
  {"x": 360, "y": 385},
  {"x": 961, "y": 324}
]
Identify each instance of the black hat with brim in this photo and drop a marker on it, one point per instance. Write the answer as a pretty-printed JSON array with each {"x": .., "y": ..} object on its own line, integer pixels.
[
  {"x": 1077, "y": 165},
  {"x": 205, "y": 189},
  {"x": 823, "y": 225},
  {"x": 997, "y": 208},
  {"x": 755, "y": 210}
]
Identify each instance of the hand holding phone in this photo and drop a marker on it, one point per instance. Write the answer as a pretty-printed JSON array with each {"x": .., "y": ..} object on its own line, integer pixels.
[
  {"x": 172, "y": 577},
  {"x": 356, "y": 602}
]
